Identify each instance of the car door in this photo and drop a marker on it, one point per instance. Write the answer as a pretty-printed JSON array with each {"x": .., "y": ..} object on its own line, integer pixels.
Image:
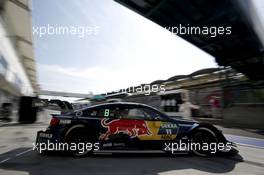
[
  {"x": 123, "y": 124},
  {"x": 104, "y": 119},
  {"x": 134, "y": 121}
]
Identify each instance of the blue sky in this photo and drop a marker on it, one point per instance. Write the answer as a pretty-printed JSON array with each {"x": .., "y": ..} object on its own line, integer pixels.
[{"x": 127, "y": 51}]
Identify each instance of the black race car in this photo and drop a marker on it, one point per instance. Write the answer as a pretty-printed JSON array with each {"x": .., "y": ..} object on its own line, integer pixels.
[{"x": 126, "y": 126}]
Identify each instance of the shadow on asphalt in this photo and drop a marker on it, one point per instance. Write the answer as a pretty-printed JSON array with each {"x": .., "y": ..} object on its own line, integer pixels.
[{"x": 122, "y": 163}]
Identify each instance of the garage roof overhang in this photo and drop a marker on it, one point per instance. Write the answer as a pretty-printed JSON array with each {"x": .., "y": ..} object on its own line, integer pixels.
[{"x": 242, "y": 50}]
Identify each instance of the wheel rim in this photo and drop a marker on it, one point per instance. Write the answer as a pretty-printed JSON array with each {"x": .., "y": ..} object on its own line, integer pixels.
[{"x": 204, "y": 136}]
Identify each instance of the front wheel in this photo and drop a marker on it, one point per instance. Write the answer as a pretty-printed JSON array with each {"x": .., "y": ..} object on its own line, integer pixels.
[{"x": 205, "y": 142}]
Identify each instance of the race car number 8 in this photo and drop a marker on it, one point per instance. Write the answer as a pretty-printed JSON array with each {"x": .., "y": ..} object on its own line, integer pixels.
[{"x": 106, "y": 112}]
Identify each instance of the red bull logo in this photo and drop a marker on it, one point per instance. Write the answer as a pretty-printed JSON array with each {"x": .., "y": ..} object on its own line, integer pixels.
[{"x": 133, "y": 128}]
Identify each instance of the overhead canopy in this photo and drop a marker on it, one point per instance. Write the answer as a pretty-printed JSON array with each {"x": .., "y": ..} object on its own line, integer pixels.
[
  {"x": 192, "y": 75},
  {"x": 241, "y": 50}
]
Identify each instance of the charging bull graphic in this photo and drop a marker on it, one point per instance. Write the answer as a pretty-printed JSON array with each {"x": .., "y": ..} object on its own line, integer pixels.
[{"x": 133, "y": 128}]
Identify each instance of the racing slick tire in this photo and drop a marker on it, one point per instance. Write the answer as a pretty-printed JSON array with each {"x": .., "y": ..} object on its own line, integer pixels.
[
  {"x": 77, "y": 135},
  {"x": 202, "y": 136}
]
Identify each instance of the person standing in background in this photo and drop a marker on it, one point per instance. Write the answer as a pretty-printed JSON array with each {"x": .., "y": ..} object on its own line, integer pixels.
[
  {"x": 215, "y": 107},
  {"x": 186, "y": 109}
]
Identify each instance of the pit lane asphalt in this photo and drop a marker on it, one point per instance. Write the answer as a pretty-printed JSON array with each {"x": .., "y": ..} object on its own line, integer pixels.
[
  {"x": 17, "y": 157},
  {"x": 25, "y": 161}
]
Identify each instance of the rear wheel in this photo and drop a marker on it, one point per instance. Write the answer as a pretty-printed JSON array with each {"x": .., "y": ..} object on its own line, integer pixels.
[
  {"x": 80, "y": 139},
  {"x": 207, "y": 141}
]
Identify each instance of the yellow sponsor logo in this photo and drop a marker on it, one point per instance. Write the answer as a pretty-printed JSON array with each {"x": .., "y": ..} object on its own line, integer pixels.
[{"x": 154, "y": 127}]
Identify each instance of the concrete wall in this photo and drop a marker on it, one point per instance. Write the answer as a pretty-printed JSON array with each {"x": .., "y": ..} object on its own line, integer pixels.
[
  {"x": 15, "y": 74},
  {"x": 244, "y": 116}
]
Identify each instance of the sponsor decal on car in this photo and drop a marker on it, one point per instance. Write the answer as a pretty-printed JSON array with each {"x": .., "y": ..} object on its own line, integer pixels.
[
  {"x": 168, "y": 129},
  {"x": 133, "y": 128},
  {"x": 144, "y": 130},
  {"x": 161, "y": 131},
  {"x": 45, "y": 135}
]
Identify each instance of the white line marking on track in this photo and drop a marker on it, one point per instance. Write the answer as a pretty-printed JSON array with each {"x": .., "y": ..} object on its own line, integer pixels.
[
  {"x": 252, "y": 146},
  {"x": 3, "y": 161},
  {"x": 19, "y": 154},
  {"x": 253, "y": 138}
]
